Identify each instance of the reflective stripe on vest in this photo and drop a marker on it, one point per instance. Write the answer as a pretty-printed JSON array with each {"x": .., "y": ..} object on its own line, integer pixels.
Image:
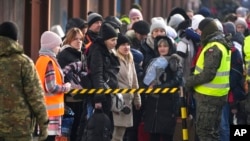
[
  {"x": 219, "y": 86},
  {"x": 57, "y": 100},
  {"x": 246, "y": 50}
]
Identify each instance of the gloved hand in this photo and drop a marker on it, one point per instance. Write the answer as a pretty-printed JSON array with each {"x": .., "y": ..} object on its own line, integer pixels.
[
  {"x": 67, "y": 86},
  {"x": 43, "y": 132}
]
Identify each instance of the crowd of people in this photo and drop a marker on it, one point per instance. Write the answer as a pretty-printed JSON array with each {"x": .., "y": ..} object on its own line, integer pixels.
[{"x": 206, "y": 56}]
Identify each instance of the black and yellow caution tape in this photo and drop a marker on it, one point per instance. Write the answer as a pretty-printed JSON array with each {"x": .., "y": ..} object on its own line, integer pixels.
[{"x": 124, "y": 91}]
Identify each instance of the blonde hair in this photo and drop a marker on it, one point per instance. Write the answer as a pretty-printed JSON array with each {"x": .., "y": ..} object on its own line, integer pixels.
[
  {"x": 71, "y": 34},
  {"x": 127, "y": 58}
]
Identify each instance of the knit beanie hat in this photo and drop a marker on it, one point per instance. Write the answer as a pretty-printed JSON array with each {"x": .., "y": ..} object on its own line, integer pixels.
[
  {"x": 219, "y": 25},
  {"x": 114, "y": 21},
  {"x": 158, "y": 22},
  {"x": 241, "y": 21},
  {"x": 196, "y": 20},
  {"x": 107, "y": 31},
  {"x": 175, "y": 20},
  {"x": 141, "y": 27},
  {"x": 50, "y": 40},
  {"x": 76, "y": 22},
  {"x": 93, "y": 17},
  {"x": 135, "y": 12},
  {"x": 9, "y": 29},
  {"x": 207, "y": 26},
  {"x": 121, "y": 40},
  {"x": 204, "y": 11},
  {"x": 241, "y": 11},
  {"x": 229, "y": 27},
  {"x": 58, "y": 30}
]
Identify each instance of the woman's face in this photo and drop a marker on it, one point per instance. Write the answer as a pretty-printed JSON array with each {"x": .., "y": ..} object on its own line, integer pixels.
[
  {"x": 163, "y": 49},
  {"x": 124, "y": 49},
  {"x": 57, "y": 49},
  {"x": 111, "y": 43},
  {"x": 240, "y": 28},
  {"x": 77, "y": 42},
  {"x": 158, "y": 32}
]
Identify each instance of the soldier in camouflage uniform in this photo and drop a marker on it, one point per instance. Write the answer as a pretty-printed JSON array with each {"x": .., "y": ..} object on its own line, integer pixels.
[
  {"x": 210, "y": 80},
  {"x": 22, "y": 102}
]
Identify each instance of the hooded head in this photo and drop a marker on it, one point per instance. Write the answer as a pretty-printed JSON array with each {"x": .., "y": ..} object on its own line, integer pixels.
[
  {"x": 93, "y": 17},
  {"x": 167, "y": 40},
  {"x": 196, "y": 21},
  {"x": 9, "y": 29}
]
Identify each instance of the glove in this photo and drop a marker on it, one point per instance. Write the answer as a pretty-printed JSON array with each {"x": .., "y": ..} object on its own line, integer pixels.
[
  {"x": 67, "y": 86},
  {"x": 43, "y": 132}
]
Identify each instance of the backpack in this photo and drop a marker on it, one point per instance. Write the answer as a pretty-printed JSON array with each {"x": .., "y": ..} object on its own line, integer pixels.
[{"x": 98, "y": 127}]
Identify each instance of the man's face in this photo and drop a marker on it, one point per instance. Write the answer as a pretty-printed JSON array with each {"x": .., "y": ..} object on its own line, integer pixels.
[{"x": 95, "y": 27}]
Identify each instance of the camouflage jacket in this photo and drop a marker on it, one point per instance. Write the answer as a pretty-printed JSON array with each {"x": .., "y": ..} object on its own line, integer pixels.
[{"x": 21, "y": 94}]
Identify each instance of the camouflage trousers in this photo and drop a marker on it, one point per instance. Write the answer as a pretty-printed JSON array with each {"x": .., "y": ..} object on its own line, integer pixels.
[
  {"x": 25, "y": 138},
  {"x": 208, "y": 116}
]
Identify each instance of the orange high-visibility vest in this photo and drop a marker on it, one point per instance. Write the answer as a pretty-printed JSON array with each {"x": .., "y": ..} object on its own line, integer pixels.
[{"x": 54, "y": 102}]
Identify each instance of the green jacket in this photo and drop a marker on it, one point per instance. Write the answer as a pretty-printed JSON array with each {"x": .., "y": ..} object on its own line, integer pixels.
[{"x": 21, "y": 95}]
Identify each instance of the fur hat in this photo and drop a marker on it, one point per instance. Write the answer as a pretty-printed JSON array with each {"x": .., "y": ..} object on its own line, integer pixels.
[
  {"x": 107, "y": 31},
  {"x": 50, "y": 40},
  {"x": 135, "y": 12},
  {"x": 93, "y": 17},
  {"x": 196, "y": 20},
  {"x": 177, "y": 10},
  {"x": 141, "y": 27},
  {"x": 121, "y": 40},
  {"x": 76, "y": 22},
  {"x": 158, "y": 22},
  {"x": 9, "y": 29}
]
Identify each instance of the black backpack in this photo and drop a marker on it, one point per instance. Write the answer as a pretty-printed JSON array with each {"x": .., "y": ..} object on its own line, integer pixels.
[{"x": 98, "y": 127}]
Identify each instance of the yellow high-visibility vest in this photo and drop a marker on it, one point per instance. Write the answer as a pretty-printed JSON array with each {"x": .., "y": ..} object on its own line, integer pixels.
[
  {"x": 246, "y": 50},
  {"x": 219, "y": 86}
]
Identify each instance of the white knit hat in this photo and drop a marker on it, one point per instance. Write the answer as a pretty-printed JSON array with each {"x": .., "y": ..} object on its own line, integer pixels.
[
  {"x": 50, "y": 40},
  {"x": 158, "y": 22},
  {"x": 196, "y": 21},
  {"x": 175, "y": 20}
]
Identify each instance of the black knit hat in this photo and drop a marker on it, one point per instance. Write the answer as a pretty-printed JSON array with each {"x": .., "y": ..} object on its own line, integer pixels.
[
  {"x": 9, "y": 29},
  {"x": 93, "y": 17},
  {"x": 76, "y": 22},
  {"x": 207, "y": 26},
  {"x": 114, "y": 21},
  {"x": 107, "y": 31},
  {"x": 121, "y": 40},
  {"x": 141, "y": 27}
]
